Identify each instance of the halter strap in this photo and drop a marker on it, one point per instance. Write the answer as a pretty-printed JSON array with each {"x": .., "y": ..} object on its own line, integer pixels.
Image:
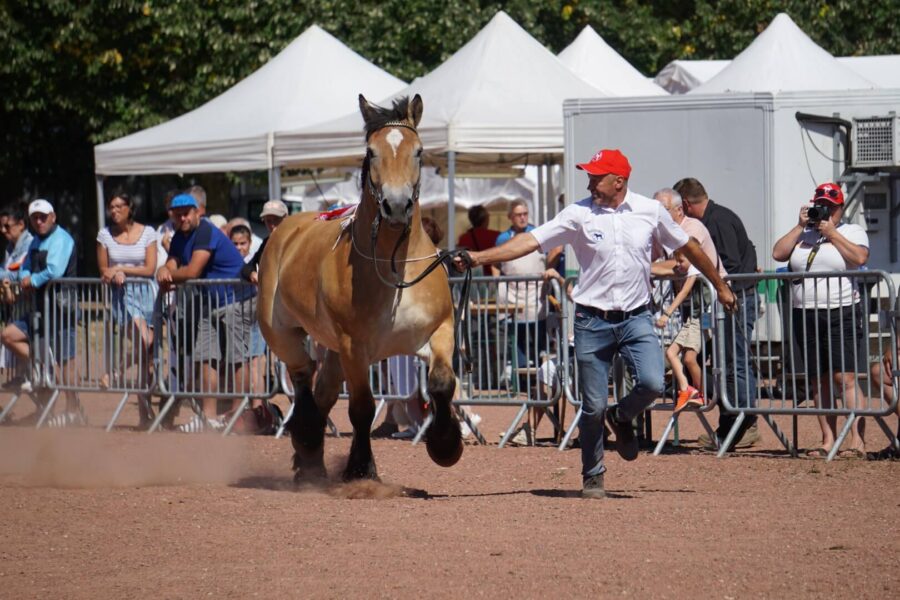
[{"x": 403, "y": 124}]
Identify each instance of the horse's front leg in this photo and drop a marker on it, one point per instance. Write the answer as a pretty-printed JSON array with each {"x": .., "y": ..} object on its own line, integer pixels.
[
  {"x": 444, "y": 439},
  {"x": 361, "y": 463}
]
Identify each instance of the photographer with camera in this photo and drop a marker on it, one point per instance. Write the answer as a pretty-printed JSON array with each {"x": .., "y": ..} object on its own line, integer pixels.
[{"x": 827, "y": 314}]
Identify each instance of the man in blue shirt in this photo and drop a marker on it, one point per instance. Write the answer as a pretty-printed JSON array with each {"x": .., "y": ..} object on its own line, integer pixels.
[
  {"x": 222, "y": 338},
  {"x": 51, "y": 255}
]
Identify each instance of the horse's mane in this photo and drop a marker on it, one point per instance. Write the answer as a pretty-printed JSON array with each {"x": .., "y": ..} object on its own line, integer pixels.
[{"x": 380, "y": 116}]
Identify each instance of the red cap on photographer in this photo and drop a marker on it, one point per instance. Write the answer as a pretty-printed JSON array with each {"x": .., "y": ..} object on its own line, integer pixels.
[
  {"x": 829, "y": 192},
  {"x": 607, "y": 161}
]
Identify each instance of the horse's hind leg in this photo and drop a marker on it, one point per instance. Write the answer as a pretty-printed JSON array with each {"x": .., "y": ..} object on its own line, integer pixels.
[
  {"x": 444, "y": 439},
  {"x": 361, "y": 463}
]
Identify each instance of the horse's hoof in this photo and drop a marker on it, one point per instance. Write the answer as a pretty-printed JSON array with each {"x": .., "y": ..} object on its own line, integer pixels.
[
  {"x": 308, "y": 475},
  {"x": 445, "y": 450},
  {"x": 361, "y": 473},
  {"x": 309, "y": 469}
]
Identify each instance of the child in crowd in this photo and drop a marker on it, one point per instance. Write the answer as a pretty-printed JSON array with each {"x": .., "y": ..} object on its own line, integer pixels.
[
  {"x": 240, "y": 237},
  {"x": 689, "y": 340}
]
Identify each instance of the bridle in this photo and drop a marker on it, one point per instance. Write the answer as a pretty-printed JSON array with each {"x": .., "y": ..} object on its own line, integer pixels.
[{"x": 441, "y": 257}]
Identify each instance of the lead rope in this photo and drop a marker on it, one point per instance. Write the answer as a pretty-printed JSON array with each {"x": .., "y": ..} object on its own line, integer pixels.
[{"x": 463, "y": 337}]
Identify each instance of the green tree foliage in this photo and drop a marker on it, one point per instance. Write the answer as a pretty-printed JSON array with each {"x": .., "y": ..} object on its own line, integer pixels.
[{"x": 76, "y": 73}]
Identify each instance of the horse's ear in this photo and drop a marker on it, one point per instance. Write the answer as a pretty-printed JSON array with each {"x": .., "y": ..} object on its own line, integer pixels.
[
  {"x": 414, "y": 111},
  {"x": 365, "y": 108}
]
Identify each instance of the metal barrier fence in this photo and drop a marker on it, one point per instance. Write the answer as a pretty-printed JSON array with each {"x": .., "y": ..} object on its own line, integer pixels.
[
  {"x": 695, "y": 323},
  {"x": 212, "y": 348},
  {"x": 200, "y": 343},
  {"x": 16, "y": 373},
  {"x": 516, "y": 327},
  {"x": 825, "y": 333}
]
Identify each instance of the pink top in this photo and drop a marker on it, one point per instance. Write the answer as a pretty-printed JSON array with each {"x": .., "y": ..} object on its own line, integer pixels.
[{"x": 696, "y": 229}]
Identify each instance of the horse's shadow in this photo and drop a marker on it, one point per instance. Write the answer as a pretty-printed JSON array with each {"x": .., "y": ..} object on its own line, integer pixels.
[{"x": 379, "y": 490}]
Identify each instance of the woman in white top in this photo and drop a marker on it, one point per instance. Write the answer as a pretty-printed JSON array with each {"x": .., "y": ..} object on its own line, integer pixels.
[
  {"x": 827, "y": 311},
  {"x": 126, "y": 255}
]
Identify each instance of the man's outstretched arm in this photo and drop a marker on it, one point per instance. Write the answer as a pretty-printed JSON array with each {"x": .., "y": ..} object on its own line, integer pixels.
[{"x": 520, "y": 245}]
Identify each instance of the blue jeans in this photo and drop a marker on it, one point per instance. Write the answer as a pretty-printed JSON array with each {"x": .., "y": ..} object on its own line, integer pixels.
[
  {"x": 740, "y": 378},
  {"x": 596, "y": 343},
  {"x": 530, "y": 339}
]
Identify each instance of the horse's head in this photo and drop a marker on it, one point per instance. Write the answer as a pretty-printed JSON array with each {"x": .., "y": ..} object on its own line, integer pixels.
[{"x": 393, "y": 157}]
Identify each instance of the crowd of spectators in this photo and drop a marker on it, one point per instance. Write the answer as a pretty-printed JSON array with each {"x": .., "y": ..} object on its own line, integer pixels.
[{"x": 225, "y": 347}]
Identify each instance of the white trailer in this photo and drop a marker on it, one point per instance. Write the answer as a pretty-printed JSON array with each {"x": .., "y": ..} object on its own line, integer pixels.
[{"x": 753, "y": 154}]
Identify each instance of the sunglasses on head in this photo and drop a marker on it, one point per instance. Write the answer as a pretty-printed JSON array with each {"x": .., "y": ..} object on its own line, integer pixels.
[{"x": 827, "y": 193}]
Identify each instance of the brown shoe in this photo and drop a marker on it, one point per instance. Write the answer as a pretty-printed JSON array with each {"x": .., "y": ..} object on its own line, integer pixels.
[{"x": 592, "y": 487}]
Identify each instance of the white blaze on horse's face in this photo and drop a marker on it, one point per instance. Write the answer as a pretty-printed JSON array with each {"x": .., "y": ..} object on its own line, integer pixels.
[
  {"x": 395, "y": 168},
  {"x": 394, "y": 137}
]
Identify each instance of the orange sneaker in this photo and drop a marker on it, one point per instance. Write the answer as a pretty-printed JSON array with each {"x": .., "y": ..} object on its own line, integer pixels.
[{"x": 688, "y": 398}]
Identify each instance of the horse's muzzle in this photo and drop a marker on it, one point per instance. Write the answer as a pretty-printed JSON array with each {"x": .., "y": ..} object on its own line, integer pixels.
[{"x": 396, "y": 213}]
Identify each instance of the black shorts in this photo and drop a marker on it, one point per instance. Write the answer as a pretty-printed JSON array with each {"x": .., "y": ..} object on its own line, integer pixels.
[{"x": 832, "y": 341}]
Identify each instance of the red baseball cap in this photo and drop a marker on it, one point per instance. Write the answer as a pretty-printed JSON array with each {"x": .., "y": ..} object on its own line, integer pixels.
[
  {"x": 829, "y": 192},
  {"x": 607, "y": 161}
]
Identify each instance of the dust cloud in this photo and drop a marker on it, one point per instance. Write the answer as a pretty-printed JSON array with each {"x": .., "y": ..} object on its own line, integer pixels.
[{"x": 92, "y": 459}]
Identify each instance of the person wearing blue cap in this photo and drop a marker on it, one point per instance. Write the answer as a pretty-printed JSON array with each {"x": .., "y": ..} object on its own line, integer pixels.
[{"x": 221, "y": 337}]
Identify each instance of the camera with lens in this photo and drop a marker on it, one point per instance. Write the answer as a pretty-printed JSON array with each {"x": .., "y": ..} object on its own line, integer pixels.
[{"x": 818, "y": 213}]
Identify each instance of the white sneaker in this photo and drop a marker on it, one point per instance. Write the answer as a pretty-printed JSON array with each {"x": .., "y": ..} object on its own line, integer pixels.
[
  {"x": 66, "y": 419},
  {"x": 464, "y": 428},
  {"x": 200, "y": 424},
  {"x": 522, "y": 437}
]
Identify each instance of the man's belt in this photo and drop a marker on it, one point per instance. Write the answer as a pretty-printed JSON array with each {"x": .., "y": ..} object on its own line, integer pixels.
[{"x": 612, "y": 315}]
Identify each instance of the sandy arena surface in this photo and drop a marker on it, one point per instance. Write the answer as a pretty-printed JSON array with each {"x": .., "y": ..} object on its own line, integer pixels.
[{"x": 90, "y": 515}]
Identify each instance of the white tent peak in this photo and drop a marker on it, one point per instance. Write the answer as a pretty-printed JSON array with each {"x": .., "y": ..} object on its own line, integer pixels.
[
  {"x": 313, "y": 79},
  {"x": 500, "y": 95},
  {"x": 496, "y": 77},
  {"x": 595, "y": 61},
  {"x": 783, "y": 59}
]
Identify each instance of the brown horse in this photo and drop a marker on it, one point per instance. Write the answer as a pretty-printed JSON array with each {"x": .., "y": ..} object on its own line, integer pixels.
[{"x": 335, "y": 282}]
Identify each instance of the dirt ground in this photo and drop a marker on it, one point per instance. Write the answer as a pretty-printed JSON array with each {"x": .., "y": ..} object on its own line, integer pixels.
[{"x": 87, "y": 514}]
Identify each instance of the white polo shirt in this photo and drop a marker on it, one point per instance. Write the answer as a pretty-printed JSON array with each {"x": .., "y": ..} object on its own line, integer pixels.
[{"x": 613, "y": 248}]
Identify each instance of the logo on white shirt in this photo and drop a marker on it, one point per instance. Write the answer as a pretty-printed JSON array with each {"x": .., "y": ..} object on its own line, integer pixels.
[{"x": 598, "y": 235}]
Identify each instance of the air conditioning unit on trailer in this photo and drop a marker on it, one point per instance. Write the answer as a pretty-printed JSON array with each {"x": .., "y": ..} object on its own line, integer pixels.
[{"x": 876, "y": 142}]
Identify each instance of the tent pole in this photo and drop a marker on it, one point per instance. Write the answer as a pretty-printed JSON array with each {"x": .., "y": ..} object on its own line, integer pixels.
[
  {"x": 101, "y": 203},
  {"x": 275, "y": 183},
  {"x": 550, "y": 195},
  {"x": 451, "y": 200},
  {"x": 540, "y": 215}
]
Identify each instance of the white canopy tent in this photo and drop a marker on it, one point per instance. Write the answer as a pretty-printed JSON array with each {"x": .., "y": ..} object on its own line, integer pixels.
[
  {"x": 315, "y": 78},
  {"x": 763, "y": 121},
  {"x": 882, "y": 70},
  {"x": 783, "y": 58},
  {"x": 434, "y": 191},
  {"x": 681, "y": 76},
  {"x": 498, "y": 99},
  {"x": 595, "y": 61}
]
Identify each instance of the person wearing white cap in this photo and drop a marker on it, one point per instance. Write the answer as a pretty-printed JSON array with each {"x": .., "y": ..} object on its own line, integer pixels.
[
  {"x": 50, "y": 256},
  {"x": 273, "y": 213}
]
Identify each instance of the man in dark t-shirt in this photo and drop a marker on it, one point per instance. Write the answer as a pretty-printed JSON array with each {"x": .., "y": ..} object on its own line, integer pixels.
[
  {"x": 224, "y": 312},
  {"x": 738, "y": 256}
]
